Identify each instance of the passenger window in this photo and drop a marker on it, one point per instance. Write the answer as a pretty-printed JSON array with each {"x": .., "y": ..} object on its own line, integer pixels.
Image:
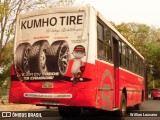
[
  {"x": 100, "y": 31},
  {"x": 102, "y": 51},
  {"x": 107, "y": 35},
  {"x": 104, "y": 48}
]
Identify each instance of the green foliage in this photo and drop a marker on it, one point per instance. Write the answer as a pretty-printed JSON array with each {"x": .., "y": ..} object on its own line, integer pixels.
[
  {"x": 6, "y": 63},
  {"x": 4, "y": 10},
  {"x": 8, "y": 52},
  {"x": 153, "y": 58}
]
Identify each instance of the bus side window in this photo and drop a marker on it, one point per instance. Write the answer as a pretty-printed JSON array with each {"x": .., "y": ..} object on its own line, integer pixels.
[
  {"x": 101, "y": 51},
  {"x": 101, "y": 46},
  {"x": 123, "y": 55},
  {"x": 127, "y": 59},
  {"x": 107, "y": 40},
  {"x": 136, "y": 65},
  {"x": 133, "y": 65},
  {"x": 104, "y": 42},
  {"x": 120, "y": 53},
  {"x": 99, "y": 31},
  {"x": 107, "y": 35}
]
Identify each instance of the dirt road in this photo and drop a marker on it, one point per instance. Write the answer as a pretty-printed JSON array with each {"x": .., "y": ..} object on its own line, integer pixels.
[{"x": 6, "y": 106}]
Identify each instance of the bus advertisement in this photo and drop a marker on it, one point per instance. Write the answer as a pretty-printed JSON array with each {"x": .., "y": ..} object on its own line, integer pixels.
[{"x": 73, "y": 58}]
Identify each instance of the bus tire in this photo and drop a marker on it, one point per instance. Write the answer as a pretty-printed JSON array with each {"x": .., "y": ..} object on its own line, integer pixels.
[
  {"x": 123, "y": 106},
  {"x": 59, "y": 55},
  {"x": 22, "y": 56},
  {"x": 154, "y": 98},
  {"x": 38, "y": 57},
  {"x": 137, "y": 106},
  {"x": 69, "y": 111}
]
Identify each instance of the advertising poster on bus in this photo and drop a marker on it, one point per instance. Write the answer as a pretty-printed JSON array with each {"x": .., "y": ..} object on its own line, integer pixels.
[{"x": 50, "y": 46}]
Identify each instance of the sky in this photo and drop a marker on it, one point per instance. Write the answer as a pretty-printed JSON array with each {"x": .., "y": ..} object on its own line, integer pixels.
[{"x": 139, "y": 11}]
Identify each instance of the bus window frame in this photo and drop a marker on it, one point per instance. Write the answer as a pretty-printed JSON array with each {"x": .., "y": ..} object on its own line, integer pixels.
[
  {"x": 108, "y": 46},
  {"x": 128, "y": 58}
]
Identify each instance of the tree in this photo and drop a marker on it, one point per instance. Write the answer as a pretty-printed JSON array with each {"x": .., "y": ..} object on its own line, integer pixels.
[
  {"x": 5, "y": 74},
  {"x": 57, "y": 3},
  {"x": 66, "y": 2}
]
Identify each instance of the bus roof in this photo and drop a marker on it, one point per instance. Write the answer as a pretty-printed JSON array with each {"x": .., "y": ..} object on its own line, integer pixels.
[{"x": 54, "y": 10}]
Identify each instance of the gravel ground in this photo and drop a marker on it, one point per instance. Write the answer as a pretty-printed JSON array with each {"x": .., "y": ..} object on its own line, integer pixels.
[
  {"x": 5, "y": 106},
  {"x": 21, "y": 107}
]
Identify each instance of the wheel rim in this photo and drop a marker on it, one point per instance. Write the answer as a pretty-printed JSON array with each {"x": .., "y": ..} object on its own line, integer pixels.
[
  {"x": 26, "y": 61},
  {"x": 63, "y": 59},
  {"x": 43, "y": 61}
]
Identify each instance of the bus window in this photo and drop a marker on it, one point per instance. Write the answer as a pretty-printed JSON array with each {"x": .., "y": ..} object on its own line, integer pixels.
[
  {"x": 107, "y": 40},
  {"x": 130, "y": 59},
  {"x": 102, "y": 51},
  {"x": 127, "y": 59},
  {"x": 110, "y": 53},
  {"x": 136, "y": 65},
  {"x": 120, "y": 53},
  {"x": 104, "y": 42},
  {"x": 123, "y": 55},
  {"x": 107, "y": 35},
  {"x": 99, "y": 31},
  {"x": 133, "y": 62},
  {"x": 140, "y": 67}
]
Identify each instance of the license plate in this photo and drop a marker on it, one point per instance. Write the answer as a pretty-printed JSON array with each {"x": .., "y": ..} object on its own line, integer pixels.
[{"x": 47, "y": 85}]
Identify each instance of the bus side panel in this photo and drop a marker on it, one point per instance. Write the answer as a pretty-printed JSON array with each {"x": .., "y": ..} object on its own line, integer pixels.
[
  {"x": 133, "y": 85},
  {"x": 105, "y": 98}
]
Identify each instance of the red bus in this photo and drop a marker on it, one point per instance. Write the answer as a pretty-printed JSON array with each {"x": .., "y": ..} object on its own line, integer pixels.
[{"x": 73, "y": 58}]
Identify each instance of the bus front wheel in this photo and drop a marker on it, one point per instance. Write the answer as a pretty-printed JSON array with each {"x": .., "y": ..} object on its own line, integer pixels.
[{"x": 69, "y": 111}]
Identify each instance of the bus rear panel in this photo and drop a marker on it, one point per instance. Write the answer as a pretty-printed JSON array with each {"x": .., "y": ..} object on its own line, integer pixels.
[{"x": 50, "y": 59}]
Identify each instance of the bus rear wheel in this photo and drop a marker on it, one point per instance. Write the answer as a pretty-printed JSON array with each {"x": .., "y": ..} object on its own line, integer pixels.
[
  {"x": 137, "y": 106},
  {"x": 69, "y": 111}
]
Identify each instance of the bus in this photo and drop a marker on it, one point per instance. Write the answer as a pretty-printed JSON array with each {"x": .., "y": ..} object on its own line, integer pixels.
[{"x": 73, "y": 58}]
